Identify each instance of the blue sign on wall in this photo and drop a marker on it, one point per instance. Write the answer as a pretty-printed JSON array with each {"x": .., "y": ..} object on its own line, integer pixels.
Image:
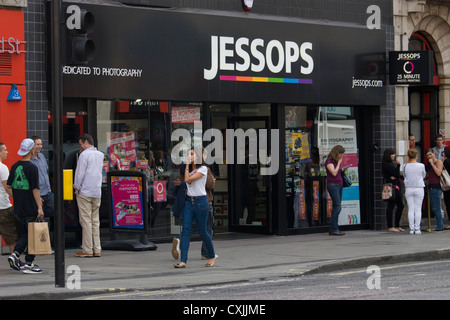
[{"x": 14, "y": 94}]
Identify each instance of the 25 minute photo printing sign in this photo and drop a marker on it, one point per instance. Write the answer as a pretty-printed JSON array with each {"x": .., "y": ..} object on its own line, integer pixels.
[{"x": 411, "y": 67}]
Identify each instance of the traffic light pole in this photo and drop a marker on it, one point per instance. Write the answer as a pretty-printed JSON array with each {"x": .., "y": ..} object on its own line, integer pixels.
[{"x": 57, "y": 110}]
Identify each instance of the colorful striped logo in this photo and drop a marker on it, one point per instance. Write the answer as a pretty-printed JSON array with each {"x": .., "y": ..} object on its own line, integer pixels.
[{"x": 266, "y": 79}]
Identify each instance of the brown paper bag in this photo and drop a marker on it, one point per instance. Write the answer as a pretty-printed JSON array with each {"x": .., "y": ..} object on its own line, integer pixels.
[{"x": 38, "y": 238}]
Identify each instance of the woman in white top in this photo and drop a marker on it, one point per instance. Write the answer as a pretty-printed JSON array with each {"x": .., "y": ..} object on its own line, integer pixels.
[
  {"x": 197, "y": 207},
  {"x": 414, "y": 173}
]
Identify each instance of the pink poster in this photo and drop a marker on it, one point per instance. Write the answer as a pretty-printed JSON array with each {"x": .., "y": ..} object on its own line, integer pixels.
[
  {"x": 127, "y": 202},
  {"x": 122, "y": 147}
]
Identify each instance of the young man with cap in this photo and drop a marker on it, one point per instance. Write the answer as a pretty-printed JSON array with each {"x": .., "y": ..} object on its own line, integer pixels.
[{"x": 24, "y": 181}]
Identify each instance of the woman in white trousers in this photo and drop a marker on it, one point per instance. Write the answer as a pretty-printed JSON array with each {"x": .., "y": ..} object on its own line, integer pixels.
[{"x": 414, "y": 173}]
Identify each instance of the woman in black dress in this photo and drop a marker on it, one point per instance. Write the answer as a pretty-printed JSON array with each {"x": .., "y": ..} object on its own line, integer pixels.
[{"x": 390, "y": 169}]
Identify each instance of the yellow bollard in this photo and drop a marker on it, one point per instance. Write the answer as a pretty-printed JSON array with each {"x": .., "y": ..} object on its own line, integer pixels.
[{"x": 68, "y": 184}]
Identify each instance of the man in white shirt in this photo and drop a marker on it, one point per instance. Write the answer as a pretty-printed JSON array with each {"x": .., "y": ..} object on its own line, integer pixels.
[
  {"x": 87, "y": 185},
  {"x": 7, "y": 221}
]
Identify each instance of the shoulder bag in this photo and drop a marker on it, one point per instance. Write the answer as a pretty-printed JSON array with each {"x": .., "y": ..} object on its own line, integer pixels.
[
  {"x": 346, "y": 181},
  {"x": 388, "y": 192},
  {"x": 445, "y": 180}
]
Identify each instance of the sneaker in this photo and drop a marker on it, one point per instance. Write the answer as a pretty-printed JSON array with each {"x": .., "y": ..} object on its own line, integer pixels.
[
  {"x": 418, "y": 231},
  {"x": 31, "y": 268},
  {"x": 411, "y": 231},
  {"x": 14, "y": 262},
  {"x": 176, "y": 248},
  {"x": 82, "y": 254},
  {"x": 97, "y": 254}
]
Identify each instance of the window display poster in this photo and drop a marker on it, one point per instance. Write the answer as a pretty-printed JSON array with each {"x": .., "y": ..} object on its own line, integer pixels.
[
  {"x": 302, "y": 204},
  {"x": 316, "y": 200},
  {"x": 127, "y": 202},
  {"x": 121, "y": 147},
  {"x": 105, "y": 169},
  {"x": 185, "y": 114},
  {"x": 343, "y": 132},
  {"x": 297, "y": 147},
  {"x": 159, "y": 191}
]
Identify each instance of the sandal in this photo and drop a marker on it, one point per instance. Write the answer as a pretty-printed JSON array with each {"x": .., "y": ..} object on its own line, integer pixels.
[
  {"x": 179, "y": 265},
  {"x": 211, "y": 263}
]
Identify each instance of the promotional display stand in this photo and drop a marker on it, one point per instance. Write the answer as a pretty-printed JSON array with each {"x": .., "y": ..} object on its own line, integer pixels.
[{"x": 129, "y": 210}]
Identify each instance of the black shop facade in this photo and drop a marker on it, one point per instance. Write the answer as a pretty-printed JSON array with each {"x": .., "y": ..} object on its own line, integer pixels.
[{"x": 278, "y": 94}]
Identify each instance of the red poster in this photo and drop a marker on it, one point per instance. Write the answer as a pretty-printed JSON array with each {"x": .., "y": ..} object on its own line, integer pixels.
[
  {"x": 329, "y": 205},
  {"x": 159, "y": 191},
  {"x": 142, "y": 164},
  {"x": 302, "y": 205},
  {"x": 185, "y": 114},
  {"x": 315, "y": 200}
]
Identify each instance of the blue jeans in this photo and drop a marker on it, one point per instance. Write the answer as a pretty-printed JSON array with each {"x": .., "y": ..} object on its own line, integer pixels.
[
  {"x": 335, "y": 191},
  {"x": 49, "y": 204},
  {"x": 435, "y": 201},
  {"x": 198, "y": 208},
  {"x": 209, "y": 229}
]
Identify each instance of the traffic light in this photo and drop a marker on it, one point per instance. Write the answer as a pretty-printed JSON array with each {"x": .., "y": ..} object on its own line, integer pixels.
[{"x": 80, "y": 23}]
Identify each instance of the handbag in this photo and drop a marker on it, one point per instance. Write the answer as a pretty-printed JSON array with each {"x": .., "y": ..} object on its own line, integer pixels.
[
  {"x": 39, "y": 238},
  {"x": 388, "y": 192},
  {"x": 445, "y": 180},
  {"x": 346, "y": 181}
]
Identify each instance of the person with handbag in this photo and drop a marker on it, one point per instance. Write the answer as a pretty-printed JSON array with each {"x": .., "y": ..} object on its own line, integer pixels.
[
  {"x": 414, "y": 174},
  {"x": 390, "y": 170},
  {"x": 434, "y": 170},
  {"x": 334, "y": 169},
  {"x": 196, "y": 207},
  {"x": 23, "y": 180},
  {"x": 178, "y": 207}
]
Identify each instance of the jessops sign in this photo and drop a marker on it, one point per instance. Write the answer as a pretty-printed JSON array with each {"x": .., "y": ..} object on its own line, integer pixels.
[
  {"x": 190, "y": 56},
  {"x": 411, "y": 67}
]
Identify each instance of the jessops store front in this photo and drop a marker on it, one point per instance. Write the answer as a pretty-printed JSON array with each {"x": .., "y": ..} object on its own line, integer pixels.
[{"x": 267, "y": 99}]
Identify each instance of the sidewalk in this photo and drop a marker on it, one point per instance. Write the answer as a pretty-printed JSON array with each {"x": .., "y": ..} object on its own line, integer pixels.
[{"x": 240, "y": 259}]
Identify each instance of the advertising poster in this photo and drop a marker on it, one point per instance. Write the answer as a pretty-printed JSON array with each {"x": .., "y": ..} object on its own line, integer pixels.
[
  {"x": 343, "y": 132},
  {"x": 302, "y": 204},
  {"x": 159, "y": 191},
  {"x": 329, "y": 205},
  {"x": 297, "y": 147},
  {"x": 142, "y": 164},
  {"x": 127, "y": 202},
  {"x": 121, "y": 147},
  {"x": 316, "y": 200},
  {"x": 185, "y": 114}
]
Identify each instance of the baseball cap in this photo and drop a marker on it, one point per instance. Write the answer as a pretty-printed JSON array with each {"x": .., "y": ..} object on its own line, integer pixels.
[{"x": 25, "y": 147}]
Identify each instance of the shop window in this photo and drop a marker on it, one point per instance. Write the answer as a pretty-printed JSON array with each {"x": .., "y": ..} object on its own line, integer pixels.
[
  {"x": 136, "y": 135},
  {"x": 311, "y": 132}
]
